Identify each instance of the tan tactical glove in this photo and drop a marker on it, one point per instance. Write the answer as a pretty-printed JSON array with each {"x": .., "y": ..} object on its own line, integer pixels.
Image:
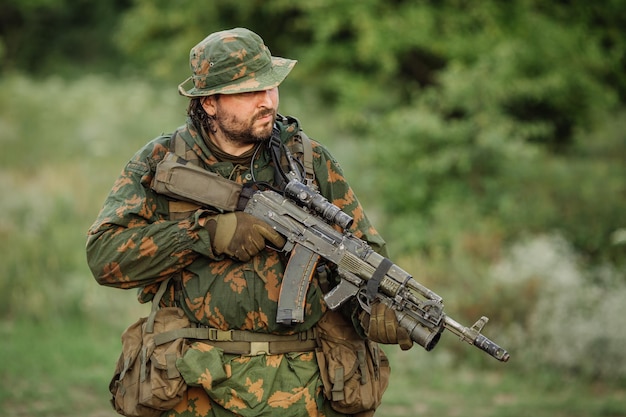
[
  {"x": 240, "y": 235},
  {"x": 381, "y": 326}
]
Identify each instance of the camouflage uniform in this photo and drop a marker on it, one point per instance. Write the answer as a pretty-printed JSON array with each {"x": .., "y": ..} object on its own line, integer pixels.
[{"x": 135, "y": 244}]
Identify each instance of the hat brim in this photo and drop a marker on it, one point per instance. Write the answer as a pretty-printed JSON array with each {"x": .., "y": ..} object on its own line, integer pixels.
[{"x": 267, "y": 80}]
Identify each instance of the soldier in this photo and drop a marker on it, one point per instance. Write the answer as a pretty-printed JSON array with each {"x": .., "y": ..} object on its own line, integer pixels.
[{"x": 222, "y": 270}]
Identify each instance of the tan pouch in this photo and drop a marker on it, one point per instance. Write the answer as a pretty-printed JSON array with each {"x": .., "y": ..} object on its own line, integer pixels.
[
  {"x": 354, "y": 371},
  {"x": 146, "y": 381},
  {"x": 176, "y": 178}
]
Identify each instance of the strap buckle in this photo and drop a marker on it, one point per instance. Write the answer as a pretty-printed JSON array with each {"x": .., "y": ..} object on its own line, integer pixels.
[
  {"x": 259, "y": 348},
  {"x": 218, "y": 335}
]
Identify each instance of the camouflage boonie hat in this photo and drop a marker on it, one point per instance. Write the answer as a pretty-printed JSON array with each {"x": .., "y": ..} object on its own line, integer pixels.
[{"x": 233, "y": 61}]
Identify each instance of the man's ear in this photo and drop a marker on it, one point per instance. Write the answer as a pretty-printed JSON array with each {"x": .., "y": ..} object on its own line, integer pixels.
[{"x": 209, "y": 105}]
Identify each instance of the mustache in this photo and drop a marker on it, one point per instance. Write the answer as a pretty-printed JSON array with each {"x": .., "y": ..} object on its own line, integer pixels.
[{"x": 263, "y": 113}]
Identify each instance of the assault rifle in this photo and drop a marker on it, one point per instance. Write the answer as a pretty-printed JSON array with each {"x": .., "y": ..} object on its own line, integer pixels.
[{"x": 306, "y": 219}]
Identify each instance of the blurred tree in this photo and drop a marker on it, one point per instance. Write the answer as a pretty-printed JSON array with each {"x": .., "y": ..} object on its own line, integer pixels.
[
  {"x": 44, "y": 37},
  {"x": 159, "y": 34}
]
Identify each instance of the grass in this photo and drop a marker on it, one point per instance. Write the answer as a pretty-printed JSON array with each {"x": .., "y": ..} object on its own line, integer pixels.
[
  {"x": 423, "y": 384},
  {"x": 57, "y": 368}
]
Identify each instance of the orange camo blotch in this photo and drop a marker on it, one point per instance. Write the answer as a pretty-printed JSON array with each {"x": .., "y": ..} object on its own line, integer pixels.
[
  {"x": 206, "y": 380},
  {"x": 237, "y": 282},
  {"x": 310, "y": 404},
  {"x": 347, "y": 200},
  {"x": 284, "y": 399},
  {"x": 120, "y": 182},
  {"x": 334, "y": 176},
  {"x": 203, "y": 347},
  {"x": 148, "y": 247},
  {"x": 147, "y": 211},
  {"x": 195, "y": 400},
  {"x": 112, "y": 273},
  {"x": 272, "y": 281},
  {"x": 358, "y": 213},
  {"x": 255, "y": 388},
  {"x": 128, "y": 245},
  {"x": 315, "y": 150},
  {"x": 218, "y": 268},
  {"x": 273, "y": 361},
  {"x": 235, "y": 402},
  {"x": 241, "y": 73},
  {"x": 137, "y": 223},
  {"x": 216, "y": 319},
  {"x": 195, "y": 305},
  {"x": 202, "y": 402},
  {"x": 159, "y": 150},
  {"x": 130, "y": 203},
  {"x": 184, "y": 224},
  {"x": 242, "y": 360},
  {"x": 255, "y": 320},
  {"x": 240, "y": 54}
]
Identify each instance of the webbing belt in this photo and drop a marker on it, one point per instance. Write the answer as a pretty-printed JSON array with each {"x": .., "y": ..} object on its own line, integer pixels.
[{"x": 245, "y": 343}]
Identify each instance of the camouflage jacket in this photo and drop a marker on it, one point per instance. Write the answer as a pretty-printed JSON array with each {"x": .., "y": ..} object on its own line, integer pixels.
[{"x": 134, "y": 244}]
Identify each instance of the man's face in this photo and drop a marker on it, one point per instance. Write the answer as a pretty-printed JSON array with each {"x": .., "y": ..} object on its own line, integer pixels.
[{"x": 244, "y": 118}]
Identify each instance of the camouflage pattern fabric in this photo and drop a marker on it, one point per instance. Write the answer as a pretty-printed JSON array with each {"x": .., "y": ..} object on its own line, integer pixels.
[
  {"x": 281, "y": 385},
  {"x": 255, "y": 69},
  {"x": 134, "y": 244}
]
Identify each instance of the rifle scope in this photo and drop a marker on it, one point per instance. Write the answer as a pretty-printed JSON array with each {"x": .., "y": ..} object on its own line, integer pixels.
[{"x": 317, "y": 202}]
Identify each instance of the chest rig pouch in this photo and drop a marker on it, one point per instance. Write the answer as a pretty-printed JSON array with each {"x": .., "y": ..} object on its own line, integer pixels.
[{"x": 176, "y": 178}]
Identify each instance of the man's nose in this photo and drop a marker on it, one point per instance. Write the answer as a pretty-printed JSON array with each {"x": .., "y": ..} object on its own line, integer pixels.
[{"x": 265, "y": 98}]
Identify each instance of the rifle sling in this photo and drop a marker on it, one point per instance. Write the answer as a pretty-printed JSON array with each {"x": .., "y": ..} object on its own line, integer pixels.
[{"x": 374, "y": 282}]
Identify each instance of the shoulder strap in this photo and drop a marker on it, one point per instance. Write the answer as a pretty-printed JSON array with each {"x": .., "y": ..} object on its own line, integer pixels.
[
  {"x": 301, "y": 148},
  {"x": 307, "y": 158},
  {"x": 155, "y": 305},
  {"x": 180, "y": 209},
  {"x": 180, "y": 148}
]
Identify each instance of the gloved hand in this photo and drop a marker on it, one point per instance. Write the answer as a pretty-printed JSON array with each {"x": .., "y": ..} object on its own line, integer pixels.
[
  {"x": 240, "y": 235},
  {"x": 381, "y": 326}
]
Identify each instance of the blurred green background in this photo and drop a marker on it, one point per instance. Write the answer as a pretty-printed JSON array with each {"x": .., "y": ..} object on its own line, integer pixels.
[{"x": 487, "y": 141}]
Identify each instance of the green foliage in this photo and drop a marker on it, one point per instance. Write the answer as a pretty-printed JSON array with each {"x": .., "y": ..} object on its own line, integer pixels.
[
  {"x": 493, "y": 129},
  {"x": 159, "y": 34},
  {"x": 45, "y": 37},
  {"x": 62, "y": 157}
]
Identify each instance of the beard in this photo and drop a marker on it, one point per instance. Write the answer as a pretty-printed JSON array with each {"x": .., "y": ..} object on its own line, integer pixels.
[{"x": 244, "y": 132}]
